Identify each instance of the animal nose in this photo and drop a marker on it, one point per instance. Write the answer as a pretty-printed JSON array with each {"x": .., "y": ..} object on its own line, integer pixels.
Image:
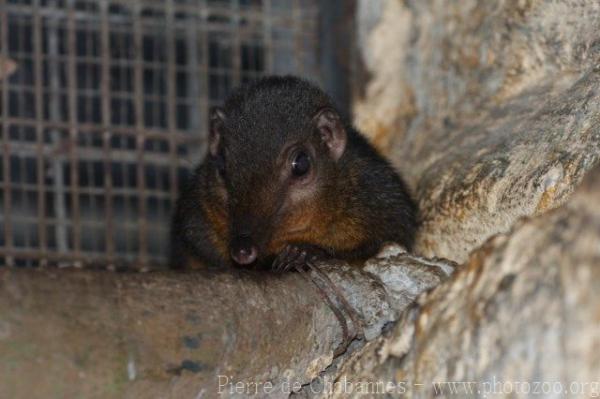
[{"x": 243, "y": 250}]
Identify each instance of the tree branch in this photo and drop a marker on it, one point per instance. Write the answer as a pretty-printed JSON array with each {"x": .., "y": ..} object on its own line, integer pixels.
[{"x": 82, "y": 333}]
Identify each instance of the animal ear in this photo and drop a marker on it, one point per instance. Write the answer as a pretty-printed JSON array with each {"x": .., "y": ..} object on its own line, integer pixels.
[
  {"x": 217, "y": 120},
  {"x": 332, "y": 131}
]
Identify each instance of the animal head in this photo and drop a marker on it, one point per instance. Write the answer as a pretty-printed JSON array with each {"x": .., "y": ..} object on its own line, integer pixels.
[{"x": 275, "y": 149}]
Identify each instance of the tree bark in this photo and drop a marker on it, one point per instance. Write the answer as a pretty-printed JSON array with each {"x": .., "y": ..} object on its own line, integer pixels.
[
  {"x": 83, "y": 333},
  {"x": 521, "y": 318},
  {"x": 489, "y": 109}
]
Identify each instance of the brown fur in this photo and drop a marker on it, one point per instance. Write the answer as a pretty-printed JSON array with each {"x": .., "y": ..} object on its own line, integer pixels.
[
  {"x": 217, "y": 217},
  {"x": 244, "y": 197}
]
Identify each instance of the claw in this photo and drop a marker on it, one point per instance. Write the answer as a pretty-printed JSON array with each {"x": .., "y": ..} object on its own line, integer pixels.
[
  {"x": 286, "y": 259},
  {"x": 354, "y": 317},
  {"x": 338, "y": 314},
  {"x": 299, "y": 257}
]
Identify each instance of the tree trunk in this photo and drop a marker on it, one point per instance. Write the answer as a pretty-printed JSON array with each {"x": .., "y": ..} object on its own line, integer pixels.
[
  {"x": 83, "y": 333},
  {"x": 520, "y": 319}
]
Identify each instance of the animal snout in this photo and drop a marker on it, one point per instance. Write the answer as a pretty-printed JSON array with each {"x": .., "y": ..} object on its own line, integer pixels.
[{"x": 243, "y": 250}]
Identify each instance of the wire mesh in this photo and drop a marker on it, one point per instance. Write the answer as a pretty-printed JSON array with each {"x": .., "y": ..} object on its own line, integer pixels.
[{"x": 103, "y": 108}]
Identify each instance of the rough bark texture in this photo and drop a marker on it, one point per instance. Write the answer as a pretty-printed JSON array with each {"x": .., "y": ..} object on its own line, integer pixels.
[
  {"x": 491, "y": 108},
  {"x": 80, "y": 333},
  {"x": 524, "y": 308}
]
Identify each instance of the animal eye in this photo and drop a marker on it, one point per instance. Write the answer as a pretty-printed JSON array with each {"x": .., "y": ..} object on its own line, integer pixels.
[{"x": 300, "y": 164}]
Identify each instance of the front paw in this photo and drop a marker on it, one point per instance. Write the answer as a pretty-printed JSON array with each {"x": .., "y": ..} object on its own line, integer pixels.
[{"x": 294, "y": 256}]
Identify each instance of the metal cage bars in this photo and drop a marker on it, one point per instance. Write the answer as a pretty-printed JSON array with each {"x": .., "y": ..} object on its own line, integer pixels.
[{"x": 106, "y": 113}]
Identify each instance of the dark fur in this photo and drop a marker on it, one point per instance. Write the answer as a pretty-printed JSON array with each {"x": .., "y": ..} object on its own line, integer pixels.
[{"x": 361, "y": 186}]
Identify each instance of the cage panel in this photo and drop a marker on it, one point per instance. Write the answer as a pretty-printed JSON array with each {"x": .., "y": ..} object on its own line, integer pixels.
[{"x": 107, "y": 112}]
